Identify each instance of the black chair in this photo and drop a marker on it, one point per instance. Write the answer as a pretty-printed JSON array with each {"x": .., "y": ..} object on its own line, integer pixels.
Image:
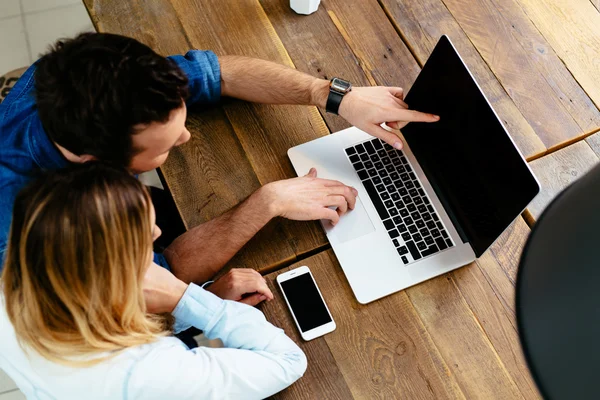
[{"x": 558, "y": 294}]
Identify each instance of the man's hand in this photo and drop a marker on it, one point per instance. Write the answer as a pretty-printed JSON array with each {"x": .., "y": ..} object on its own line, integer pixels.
[
  {"x": 162, "y": 290},
  {"x": 308, "y": 198},
  {"x": 242, "y": 284},
  {"x": 369, "y": 107}
]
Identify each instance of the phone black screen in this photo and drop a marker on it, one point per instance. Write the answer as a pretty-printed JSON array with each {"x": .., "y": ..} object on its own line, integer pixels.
[{"x": 305, "y": 301}]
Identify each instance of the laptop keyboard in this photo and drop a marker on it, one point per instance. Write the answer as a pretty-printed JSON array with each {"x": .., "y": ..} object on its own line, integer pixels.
[{"x": 412, "y": 223}]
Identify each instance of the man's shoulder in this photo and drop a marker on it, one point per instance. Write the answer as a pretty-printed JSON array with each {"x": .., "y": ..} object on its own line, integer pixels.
[
  {"x": 17, "y": 109},
  {"x": 21, "y": 94}
]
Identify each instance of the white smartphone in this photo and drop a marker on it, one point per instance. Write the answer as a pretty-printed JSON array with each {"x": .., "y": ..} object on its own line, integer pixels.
[{"x": 304, "y": 299}]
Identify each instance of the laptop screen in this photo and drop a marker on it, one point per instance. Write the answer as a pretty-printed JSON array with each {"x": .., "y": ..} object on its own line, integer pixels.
[{"x": 472, "y": 164}]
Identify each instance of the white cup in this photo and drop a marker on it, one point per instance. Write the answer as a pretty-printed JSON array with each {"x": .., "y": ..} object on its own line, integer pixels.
[{"x": 305, "y": 6}]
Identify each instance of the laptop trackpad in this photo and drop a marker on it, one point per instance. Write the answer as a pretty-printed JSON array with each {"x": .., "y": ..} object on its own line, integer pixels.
[{"x": 352, "y": 225}]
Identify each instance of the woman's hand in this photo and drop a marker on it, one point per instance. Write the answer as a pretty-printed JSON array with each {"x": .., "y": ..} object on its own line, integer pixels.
[{"x": 242, "y": 284}]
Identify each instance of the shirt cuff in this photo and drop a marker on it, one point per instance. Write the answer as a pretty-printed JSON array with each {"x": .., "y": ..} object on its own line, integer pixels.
[
  {"x": 196, "y": 308},
  {"x": 203, "y": 71}
]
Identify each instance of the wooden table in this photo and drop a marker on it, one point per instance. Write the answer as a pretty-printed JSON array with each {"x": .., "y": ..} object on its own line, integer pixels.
[{"x": 453, "y": 336}]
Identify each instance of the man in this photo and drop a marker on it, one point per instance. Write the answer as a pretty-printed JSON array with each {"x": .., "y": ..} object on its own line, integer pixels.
[{"x": 108, "y": 97}]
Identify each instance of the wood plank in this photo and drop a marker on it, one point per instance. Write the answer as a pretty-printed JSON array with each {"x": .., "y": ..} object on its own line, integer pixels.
[
  {"x": 558, "y": 170},
  {"x": 468, "y": 332},
  {"x": 422, "y": 23},
  {"x": 316, "y": 47},
  {"x": 461, "y": 340},
  {"x": 507, "y": 250},
  {"x": 203, "y": 162},
  {"x": 498, "y": 325},
  {"x": 355, "y": 41},
  {"x": 381, "y": 349},
  {"x": 153, "y": 23},
  {"x": 572, "y": 27},
  {"x": 488, "y": 286},
  {"x": 250, "y": 137},
  {"x": 594, "y": 142},
  {"x": 516, "y": 70},
  {"x": 494, "y": 305},
  {"x": 571, "y": 95},
  {"x": 382, "y": 53}
]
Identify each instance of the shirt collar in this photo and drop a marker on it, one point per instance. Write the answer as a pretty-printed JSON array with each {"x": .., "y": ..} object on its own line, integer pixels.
[{"x": 43, "y": 150}]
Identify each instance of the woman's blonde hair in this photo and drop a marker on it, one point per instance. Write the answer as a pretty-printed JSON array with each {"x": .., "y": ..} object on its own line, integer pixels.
[{"x": 79, "y": 245}]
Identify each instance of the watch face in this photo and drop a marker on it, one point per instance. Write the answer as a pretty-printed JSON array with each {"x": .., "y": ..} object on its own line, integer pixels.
[{"x": 340, "y": 85}]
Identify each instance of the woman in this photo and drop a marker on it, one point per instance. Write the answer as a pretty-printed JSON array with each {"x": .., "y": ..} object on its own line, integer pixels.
[{"x": 73, "y": 315}]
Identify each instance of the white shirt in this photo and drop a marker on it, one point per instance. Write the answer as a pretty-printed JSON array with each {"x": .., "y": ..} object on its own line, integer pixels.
[{"x": 258, "y": 360}]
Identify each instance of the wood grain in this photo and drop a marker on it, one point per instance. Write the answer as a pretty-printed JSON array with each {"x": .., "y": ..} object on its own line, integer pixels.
[
  {"x": 438, "y": 334},
  {"x": 422, "y": 23},
  {"x": 240, "y": 146},
  {"x": 374, "y": 41},
  {"x": 488, "y": 286},
  {"x": 316, "y": 47},
  {"x": 594, "y": 142},
  {"x": 351, "y": 39},
  {"x": 153, "y": 23},
  {"x": 570, "y": 94},
  {"x": 461, "y": 340},
  {"x": 516, "y": 69},
  {"x": 498, "y": 325},
  {"x": 382, "y": 350},
  {"x": 558, "y": 170},
  {"x": 572, "y": 27}
]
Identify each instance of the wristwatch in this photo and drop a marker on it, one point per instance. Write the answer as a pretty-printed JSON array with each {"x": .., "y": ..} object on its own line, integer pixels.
[{"x": 337, "y": 89}]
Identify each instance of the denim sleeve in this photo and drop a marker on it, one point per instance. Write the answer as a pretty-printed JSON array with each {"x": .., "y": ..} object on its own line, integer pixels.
[
  {"x": 160, "y": 259},
  {"x": 204, "y": 74}
]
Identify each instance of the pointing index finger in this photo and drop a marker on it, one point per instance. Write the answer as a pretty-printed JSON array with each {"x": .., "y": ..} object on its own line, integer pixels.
[{"x": 416, "y": 116}]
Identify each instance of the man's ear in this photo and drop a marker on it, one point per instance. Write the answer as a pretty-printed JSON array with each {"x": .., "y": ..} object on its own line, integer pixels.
[{"x": 86, "y": 157}]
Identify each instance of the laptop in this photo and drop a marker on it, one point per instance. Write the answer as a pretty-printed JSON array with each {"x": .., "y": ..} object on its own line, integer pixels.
[{"x": 435, "y": 205}]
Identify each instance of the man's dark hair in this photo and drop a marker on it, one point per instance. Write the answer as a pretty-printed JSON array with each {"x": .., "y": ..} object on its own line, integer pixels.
[{"x": 92, "y": 90}]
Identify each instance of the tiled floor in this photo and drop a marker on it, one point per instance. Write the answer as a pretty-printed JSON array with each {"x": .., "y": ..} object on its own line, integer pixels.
[
  {"x": 27, "y": 28},
  {"x": 8, "y": 389}
]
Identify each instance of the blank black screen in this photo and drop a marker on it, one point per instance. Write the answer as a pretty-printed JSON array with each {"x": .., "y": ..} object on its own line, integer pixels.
[
  {"x": 467, "y": 156},
  {"x": 305, "y": 301}
]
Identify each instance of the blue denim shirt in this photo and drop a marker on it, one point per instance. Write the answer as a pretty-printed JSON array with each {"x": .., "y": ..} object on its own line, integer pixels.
[{"x": 25, "y": 148}]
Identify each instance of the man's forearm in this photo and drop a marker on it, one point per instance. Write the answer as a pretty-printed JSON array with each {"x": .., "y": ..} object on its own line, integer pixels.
[
  {"x": 200, "y": 253},
  {"x": 263, "y": 81}
]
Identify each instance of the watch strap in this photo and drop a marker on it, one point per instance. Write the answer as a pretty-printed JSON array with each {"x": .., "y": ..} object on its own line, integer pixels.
[{"x": 333, "y": 102}]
